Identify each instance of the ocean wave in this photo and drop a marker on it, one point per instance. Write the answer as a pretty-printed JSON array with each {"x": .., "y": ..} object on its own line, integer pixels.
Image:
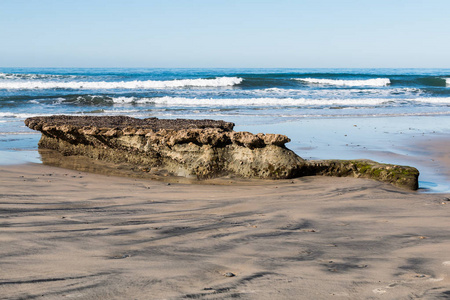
[
  {"x": 84, "y": 100},
  {"x": 341, "y": 82},
  {"x": 428, "y": 81},
  {"x": 11, "y": 115},
  {"x": 339, "y": 93},
  {"x": 13, "y": 76},
  {"x": 217, "y": 102},
  {"x": 361, "y": 115},
  {"x": 447, "y": 81},
  {"x": 136, "y": 84},
  {"x": 272, "y": 97},
  {"x": 433, "y": 100}
]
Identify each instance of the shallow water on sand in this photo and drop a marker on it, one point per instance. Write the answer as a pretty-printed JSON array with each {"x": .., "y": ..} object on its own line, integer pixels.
[{"x": 393, "y": 140}]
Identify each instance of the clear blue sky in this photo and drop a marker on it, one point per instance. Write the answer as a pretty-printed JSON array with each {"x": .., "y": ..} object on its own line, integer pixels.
[{"x": 224, "y": 33}]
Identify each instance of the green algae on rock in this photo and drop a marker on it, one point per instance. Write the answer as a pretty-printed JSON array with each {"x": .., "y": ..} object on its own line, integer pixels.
[{"x": 401, "y": 176}]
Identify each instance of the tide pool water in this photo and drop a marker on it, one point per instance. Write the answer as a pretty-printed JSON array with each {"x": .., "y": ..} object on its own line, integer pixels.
[{"x": 328, "y": 113}]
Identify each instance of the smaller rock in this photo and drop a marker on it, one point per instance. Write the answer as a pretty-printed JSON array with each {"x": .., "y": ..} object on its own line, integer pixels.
[{"x": 229, "y": 274}]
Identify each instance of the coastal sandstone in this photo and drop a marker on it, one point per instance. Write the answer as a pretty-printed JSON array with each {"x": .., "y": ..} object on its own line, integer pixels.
[{"x": 203, "y": 149}]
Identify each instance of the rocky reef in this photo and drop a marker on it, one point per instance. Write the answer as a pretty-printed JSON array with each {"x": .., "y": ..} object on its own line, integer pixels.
[
  {"x": 401, "y": 176},
  {"x": 197, "y": 148}
]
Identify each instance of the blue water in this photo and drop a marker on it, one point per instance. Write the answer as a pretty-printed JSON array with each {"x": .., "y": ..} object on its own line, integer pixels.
[
  {"x": 195, "y": 93},
  {"x": 315, "y": 107}
]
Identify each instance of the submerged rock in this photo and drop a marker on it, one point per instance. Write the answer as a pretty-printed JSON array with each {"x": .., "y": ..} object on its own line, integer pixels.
[{"x": 201, "y": 148}]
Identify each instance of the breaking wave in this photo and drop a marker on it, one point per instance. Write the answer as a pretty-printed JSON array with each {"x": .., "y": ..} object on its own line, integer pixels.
[
  {"x": 14, "y": 76},
  {"x": 363, "y": 102},
  {"x": 341, "y": 82},
  {"x": 136, "y": 84},
  {"x": 339, "y": 93}
]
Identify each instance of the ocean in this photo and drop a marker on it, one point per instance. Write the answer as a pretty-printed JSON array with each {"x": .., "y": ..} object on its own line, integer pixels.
[{"x": 328, "y": 113}]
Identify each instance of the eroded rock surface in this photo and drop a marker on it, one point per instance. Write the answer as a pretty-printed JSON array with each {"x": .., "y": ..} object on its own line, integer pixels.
[{"x": 200, "y": 148}]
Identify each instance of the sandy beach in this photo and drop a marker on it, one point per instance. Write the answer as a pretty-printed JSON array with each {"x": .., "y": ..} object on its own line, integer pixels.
[
  {"x": 97, "y": 233},
  {"x": 71, "y": 234},
  {"x": 197, "y": 150}
]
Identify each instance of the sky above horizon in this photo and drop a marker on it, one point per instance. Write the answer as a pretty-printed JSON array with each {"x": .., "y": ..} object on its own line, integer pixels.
[{"x": 225, "y": 33}]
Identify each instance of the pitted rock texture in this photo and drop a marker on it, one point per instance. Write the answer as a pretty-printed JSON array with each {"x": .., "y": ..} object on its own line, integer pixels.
[
  {"x": 200, "y": 148},
  {"x": 123, "y": 122}
]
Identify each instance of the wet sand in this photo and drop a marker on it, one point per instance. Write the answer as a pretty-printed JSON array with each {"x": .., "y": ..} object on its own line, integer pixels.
[
  {"x": 70, "y": 234},
  {"x": 421, "y": 142}
]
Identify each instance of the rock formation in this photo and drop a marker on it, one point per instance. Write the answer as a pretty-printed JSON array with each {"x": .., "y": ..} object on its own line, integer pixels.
[
  {"x": 201, "y": 148},
  {"x": 401, "y": 176}
]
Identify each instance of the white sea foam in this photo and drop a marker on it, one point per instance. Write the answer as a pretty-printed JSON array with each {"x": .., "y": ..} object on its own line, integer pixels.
[
  {"x": 125, "y": 100},
  {"x": 274, "y": 102},
  {"x": 447, "y": 81},
  {"x": 189, "y": 102},
  {"x": 10, "y": 115},
  {"x": 13, "y": 76},
  {"x": 301, "y": 93},
  {"x": 136, "y": 84},
  {"x": 336, "y": 93},
  {"x": 341, "y": 82},
  {"x": 433, "y": 100},
  {"x": 351, "y": 93}
]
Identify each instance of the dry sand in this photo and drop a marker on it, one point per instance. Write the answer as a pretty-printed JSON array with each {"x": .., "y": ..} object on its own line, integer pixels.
[{"x": 75, "y": 235}]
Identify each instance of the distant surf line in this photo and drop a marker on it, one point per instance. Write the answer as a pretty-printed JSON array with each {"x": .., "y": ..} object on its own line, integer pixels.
[
  {"x": 341, "y": 82},
  {"x": 135, "y": 84}
]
